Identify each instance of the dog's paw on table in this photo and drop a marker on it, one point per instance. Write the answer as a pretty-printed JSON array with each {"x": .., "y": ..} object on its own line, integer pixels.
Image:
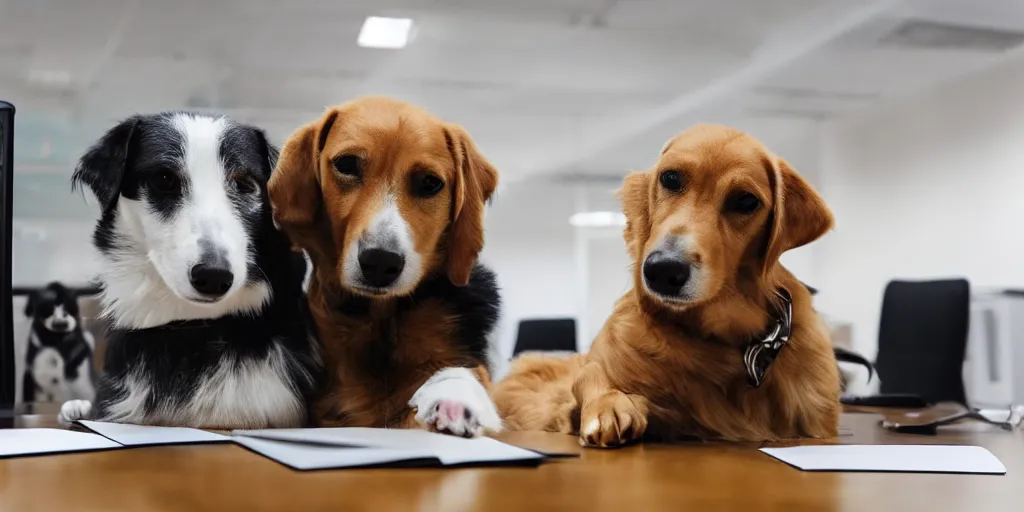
[
  {"x": 451, "y": 417},
  {"x": 454, "y": 402},
  {"x": 611, "y": 421},
  {"x": 74, "y": 410}
]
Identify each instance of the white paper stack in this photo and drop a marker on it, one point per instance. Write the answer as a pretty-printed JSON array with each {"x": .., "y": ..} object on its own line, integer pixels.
[
  {"x": 39, "y": 441},
  {"x": 891, "y": 458},
  {"x": 313, "y": 456},
  {"x": 302, "y": 449},
  {"x": 139, "y": 435},
  {"x": 419, "y": 444}
]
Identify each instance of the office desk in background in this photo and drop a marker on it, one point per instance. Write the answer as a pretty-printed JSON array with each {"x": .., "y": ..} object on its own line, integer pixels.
[{"x": 634, "y": 479}]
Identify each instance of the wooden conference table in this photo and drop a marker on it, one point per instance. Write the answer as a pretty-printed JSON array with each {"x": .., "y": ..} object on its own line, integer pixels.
[{"x": 635, "y": 479}]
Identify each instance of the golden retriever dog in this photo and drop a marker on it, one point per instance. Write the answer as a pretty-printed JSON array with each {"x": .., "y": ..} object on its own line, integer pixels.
[
  {"x": 716, "y": 340},
  {"x": 388, "y": 202}
]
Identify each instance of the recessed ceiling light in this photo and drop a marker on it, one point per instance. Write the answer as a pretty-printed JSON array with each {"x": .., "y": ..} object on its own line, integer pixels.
[
  {"x": 381, "y": 32},
  {"x": 597, "y": 219}
]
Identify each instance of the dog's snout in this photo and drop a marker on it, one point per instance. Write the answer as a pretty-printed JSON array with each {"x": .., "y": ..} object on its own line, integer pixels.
[
  {"x": 212, "y": 279},
  {"x": 665, "y": 275},
  {"x": 380, "y": 267},
  {"x": 60, "y": 324}
]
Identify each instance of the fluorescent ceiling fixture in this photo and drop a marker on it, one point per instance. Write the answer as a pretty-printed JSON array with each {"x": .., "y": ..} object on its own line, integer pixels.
[
  {"x": 597, "y": 219},
  {"x": 380, "y": 32}
]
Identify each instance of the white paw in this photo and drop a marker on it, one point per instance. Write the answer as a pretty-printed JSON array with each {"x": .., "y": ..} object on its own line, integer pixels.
[
  {"x": 454, "y": 402},
  {"x": 74, "y": 410}
]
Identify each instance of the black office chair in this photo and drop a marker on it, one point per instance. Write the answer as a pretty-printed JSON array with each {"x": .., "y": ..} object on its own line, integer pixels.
[
  {"x": 922, "y": 339},
  {"x": 546, "y": 335}
]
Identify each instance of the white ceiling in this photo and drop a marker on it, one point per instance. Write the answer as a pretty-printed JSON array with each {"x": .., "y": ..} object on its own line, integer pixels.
[{"x": 545, "y": 86}]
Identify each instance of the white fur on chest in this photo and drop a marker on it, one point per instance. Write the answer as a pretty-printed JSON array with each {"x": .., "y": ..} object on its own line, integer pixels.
[{"x": 251, "y": 394}]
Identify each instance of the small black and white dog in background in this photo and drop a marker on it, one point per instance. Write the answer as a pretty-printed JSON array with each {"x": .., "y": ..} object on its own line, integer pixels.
[
  {"x": 204, "y": 294},
  {"x": 58, "y": 361}
]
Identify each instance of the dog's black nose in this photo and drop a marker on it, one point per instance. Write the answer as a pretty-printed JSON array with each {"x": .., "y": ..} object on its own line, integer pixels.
[
  {"x": 666, "y": 276},
  {"x": 380, "y": 267},
  {"x": 60, "y": 325},
  {"x": 211, "y": 280}
]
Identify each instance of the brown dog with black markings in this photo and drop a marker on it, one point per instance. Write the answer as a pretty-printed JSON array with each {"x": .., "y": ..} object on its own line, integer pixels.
[
  {"x": 716, "y": 339},
  {"x": 388, "y": 202}
]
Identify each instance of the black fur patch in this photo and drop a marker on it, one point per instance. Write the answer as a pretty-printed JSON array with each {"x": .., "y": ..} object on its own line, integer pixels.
[{"x": 475, "y": 309}]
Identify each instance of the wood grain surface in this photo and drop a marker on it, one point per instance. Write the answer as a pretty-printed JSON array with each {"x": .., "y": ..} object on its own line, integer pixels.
[{"x": 694, "y": 476}]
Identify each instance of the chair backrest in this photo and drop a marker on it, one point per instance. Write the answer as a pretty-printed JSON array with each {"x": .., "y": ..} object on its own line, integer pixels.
[
  {"x": 922, "y": 338},
  {"x": 546, "y": 335}
]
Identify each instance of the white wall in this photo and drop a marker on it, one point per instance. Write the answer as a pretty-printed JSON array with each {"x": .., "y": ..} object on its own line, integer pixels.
[
  {"x": 608, "y": 278},
  {"x": 929, "y": 187},
  {"x": 53, "y": 250},
  {"x": 529, "y": 244}
]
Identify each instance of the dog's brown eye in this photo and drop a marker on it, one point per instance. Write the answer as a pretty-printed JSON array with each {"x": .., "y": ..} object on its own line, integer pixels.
[
  {"x": 425, "y": 184},
  {"x": 349, "y": 165},
  {"x": 744, "y": 202},
  {"x": 672, "y": 180},
  {"x": 244, "y": 184}
]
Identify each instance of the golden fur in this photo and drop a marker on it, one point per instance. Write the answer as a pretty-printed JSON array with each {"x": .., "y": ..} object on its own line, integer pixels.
[
  {"x": 668, "y": 369},
  {"x": 378, "y": 350}
]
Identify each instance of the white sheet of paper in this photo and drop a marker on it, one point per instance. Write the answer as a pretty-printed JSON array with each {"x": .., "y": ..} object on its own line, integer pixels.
[
  {"x": 449, "y": 449},
  {"x": 310, "y": 456},
  {"x": 899, "y": 458},
  {"x": 31, "y": 441},
  {"x": 143, "y": 435}
]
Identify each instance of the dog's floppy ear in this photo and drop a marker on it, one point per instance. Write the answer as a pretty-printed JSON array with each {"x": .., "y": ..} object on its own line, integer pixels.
[
  {"x": 635, "y": 196},
  {"x": 475, "y": 181},
  {"x": 294, "y": 186},
  {"x": 102, "y": 166},
  {"x": 270, "y": 152},
  {"x": 799, "y": 216}
]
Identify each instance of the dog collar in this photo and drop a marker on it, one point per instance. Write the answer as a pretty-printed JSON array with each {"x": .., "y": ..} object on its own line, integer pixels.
[{"x": 761, "y": 352}]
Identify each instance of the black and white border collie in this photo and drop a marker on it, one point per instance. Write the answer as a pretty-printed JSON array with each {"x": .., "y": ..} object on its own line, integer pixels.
[
  {"x": 58, "y": 360},
  {"x": 204, "y": 294}
]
